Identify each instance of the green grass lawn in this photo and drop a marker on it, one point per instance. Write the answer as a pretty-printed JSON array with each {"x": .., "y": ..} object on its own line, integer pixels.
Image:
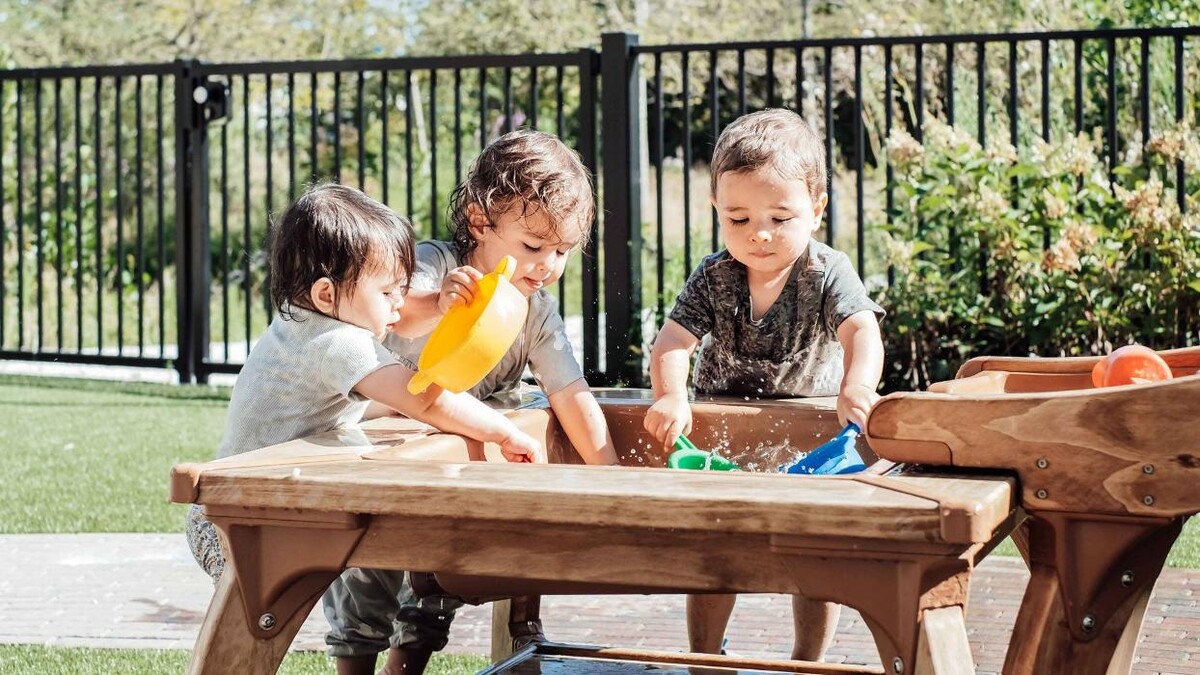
[{"x": 22, "y": 659}]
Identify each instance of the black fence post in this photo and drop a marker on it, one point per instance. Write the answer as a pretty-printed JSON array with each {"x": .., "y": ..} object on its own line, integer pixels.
[
  {"x": 192, "y": 265},
  {"x": 620, "y": 139},
  {"x": 589, "y": 71}
]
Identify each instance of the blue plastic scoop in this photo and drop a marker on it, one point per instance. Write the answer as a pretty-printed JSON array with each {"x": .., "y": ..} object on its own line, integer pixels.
[{"x": 835, "y": 456}]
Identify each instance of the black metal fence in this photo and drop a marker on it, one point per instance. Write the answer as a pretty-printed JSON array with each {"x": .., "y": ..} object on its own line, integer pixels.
[{"x": 135, "y": 200}]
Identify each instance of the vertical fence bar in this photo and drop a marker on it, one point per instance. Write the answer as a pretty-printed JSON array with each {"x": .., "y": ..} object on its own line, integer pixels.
[
  {"x": 588, "y": 69},
  {"x": 337, "y": 126},
  {"x": 919, "y": 95},
  {"x": 4, "y": 222},
  {"x": 560, "y": 130},
  {"x": 860, "y": 160},
  {"x": 191, "y": 222},
  {"x": 1144, "y": 73},
  {"x": 658, "y": 186},
  {"x": 385, "y": 109},
  {"x": 408, "y": 159},
  {"x": 888, "y": 114},
  {"x": 1078, "y": 60},
  {"x": 1046, "y": 90},
  {"x": 770, "y": 77},
  {"x": 359, "y": 125},
  {"x": 97, "y": 148},
  {"x": 714, "y": 106},
  {"x": 58, "y": 213},
  {"x": 483, "y": 132},
  {"x": 687, "y": 165},
  {"x": 1012, "y": 92},
  {"x": 981, "y": 90},
  {"x": 291, "y": 135},
  {"x": 314, "y": 123},
  {"x": 620, "y": 135},
  {"x": 508, "y": 100},
  {"x": 246, "y": 232},
  {"x": 225, "y": 269},
  {"x": 533, "y": 97},
  {"x": 950, "y": 83},
  {"x": 119, "y": 191},
  {"x": 37, "y": 202},
  {"x": 160, "y": 197},
  {"x": 78, "y": 217},
  {"x": 140, "y": 262},
  {"x": 741, "y": 82},
  {"x": 433, "y": 186},
  {"x": 831, "y": 215},
  {"x": 1180, "y": 190},
  {"x": 20, "y": 122},
  {"x": 458, "y": 122},
  {"x": 269, "y": 196},
  {"x": 1110, "y": 131}
]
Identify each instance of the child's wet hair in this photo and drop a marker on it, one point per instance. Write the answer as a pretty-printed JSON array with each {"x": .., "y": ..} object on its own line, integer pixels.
[
  {"x": 526, "y": 171},
  {"x": 337, "y": 232},
  {"x": 775, "y": 138}
]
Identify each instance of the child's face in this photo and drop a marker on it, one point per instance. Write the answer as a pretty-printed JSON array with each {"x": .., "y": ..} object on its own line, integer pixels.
[
  {"x": 541, "y": 258},
  {"x": 375, "y": 303},
  {"x": 766, "y": 220}
]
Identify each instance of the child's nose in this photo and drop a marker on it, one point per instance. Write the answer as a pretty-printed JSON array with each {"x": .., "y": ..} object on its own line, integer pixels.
[{"x": 760, "y": 236}]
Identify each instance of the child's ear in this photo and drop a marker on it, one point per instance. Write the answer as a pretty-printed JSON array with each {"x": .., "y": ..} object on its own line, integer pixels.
[
  {"x": 477, "y": 220},
  {"x": 819, "y": 206},
  {"x": 323, "y": 295}
]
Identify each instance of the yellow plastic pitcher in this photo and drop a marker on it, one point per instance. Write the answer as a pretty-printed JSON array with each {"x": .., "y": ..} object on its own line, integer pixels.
[{"x": 471, "y": 339}]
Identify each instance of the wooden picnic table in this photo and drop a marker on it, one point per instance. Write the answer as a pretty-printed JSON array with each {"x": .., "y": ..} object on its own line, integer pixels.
[{"x": 897, "y": 544}]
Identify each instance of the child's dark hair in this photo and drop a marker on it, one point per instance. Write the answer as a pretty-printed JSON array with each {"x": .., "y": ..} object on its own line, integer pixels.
[
  {"x": 525, "y": 170},
  {"x": 774, "y": 138},
  {"x": 337, "y": 232}
]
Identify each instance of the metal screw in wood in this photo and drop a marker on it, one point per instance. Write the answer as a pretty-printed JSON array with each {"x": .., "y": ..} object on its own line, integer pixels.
[
  {"x": 1089, "y": 623},
  {"x": 1148, "y": 469},
  {"x": 897, "y": 665},
  {"x": 266, "y": 621},
  {"x": 1148, "y": 500},
  {"x": 1042, "y": 494},
  {"x": 1127, "y": 578},
  {"x": 1042, "y": 463}
]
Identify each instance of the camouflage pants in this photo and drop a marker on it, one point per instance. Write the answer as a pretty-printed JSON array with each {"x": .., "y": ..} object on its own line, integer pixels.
[
  {"x": 205, "y": 543},
  {"x": 371, "y": 610}
]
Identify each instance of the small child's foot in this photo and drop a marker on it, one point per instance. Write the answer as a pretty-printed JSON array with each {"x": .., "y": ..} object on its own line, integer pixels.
[
  {"x": 526, "y": 632},
  {"x": 402, "y": 661}
]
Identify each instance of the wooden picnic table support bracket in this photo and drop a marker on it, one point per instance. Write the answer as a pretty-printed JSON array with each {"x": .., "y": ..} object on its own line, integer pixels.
[
  {"x": 893, "y": 597},
  {"x": 1091, "y": 577},
  {"x": 281, "y": 563}
]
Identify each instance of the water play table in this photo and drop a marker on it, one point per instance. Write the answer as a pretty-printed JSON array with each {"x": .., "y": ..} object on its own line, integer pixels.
[{"x": 899, "y": 546}]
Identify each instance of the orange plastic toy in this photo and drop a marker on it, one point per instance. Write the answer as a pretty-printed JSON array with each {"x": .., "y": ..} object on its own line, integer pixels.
[{"x": 1131, "y": 364}]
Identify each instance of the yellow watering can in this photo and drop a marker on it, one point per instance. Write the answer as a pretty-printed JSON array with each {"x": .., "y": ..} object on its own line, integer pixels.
[{"x": 471, "y": 339}]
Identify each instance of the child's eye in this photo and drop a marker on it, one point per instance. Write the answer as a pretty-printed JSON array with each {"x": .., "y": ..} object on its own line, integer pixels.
[
  {"x": 532, "y": 249},
  {"x": 738, "y": 221},
  {"x": 781, "y": 221},
  {"x": 564, "y": 251}
]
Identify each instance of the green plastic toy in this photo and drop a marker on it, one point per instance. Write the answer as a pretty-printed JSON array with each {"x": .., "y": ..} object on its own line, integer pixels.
[{"x": 688, "y": 456}]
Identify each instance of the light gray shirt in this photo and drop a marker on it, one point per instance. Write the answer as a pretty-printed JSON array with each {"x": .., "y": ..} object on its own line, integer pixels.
[
  {"x": 542, "y": 344},
  {"x": 792, "y": 349},
  {"x": 299, "y": 380}
]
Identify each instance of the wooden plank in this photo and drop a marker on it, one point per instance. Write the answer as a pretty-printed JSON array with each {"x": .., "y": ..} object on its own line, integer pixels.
[
  {"x": 589, "y": 495},
  {"x": 942, "y": 648}
]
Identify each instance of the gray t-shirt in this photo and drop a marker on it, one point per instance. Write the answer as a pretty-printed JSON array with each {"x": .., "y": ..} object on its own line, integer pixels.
[
  {"x": 793, "y": 349},
  {"x": 542, "y": 344},
  {"x": 299, "y": 380}
]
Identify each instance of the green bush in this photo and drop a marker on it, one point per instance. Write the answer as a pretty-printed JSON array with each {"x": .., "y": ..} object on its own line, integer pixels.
[{"x": 995, "y": 251}]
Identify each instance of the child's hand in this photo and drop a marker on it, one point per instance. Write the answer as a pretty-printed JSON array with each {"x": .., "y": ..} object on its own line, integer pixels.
[
  {"x": 459, "y": 287},
  {"x": 669, "y": 417},
  {"x": 520, "y": 447},
  {"x": 854, "y": 403}
]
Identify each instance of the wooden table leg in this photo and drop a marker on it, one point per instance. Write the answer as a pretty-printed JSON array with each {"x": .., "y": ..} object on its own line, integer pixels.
[
  {"x": 942, "y": 647},
  {"x": 226, "y": 643}
]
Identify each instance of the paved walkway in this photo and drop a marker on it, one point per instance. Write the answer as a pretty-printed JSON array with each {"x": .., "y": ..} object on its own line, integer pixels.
[{"x": 143, "y": 591}]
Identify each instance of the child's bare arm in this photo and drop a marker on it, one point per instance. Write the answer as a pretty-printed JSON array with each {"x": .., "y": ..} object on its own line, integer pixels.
[
  {"x": 423, "y": 309},
  {"x": 863, "y": 366},
  {"x": 670, "y": 360},
  {"x": 583, "y": 421},
  {"x": 455, "y": 413}
]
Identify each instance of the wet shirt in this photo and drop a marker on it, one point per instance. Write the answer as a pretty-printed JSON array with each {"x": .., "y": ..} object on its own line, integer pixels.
[
  {"x": 542, "y": 344},
  {"x": 792, "y": 350}
]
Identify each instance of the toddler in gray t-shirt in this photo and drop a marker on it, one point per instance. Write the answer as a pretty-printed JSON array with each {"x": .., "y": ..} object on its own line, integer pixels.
[
  {"x": 774, "y": 314},
  {"x": 321, "y": 361}
]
